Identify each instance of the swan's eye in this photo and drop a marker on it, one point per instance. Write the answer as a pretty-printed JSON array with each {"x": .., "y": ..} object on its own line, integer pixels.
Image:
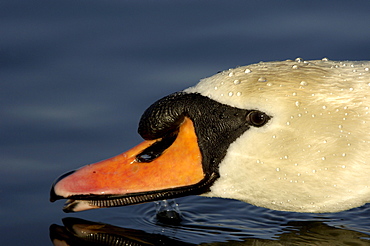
[{"x": 257, "y": 118}]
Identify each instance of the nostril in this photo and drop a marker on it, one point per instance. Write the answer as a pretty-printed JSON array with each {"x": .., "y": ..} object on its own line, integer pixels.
[
  {"x": 53, "y": 195},
  {"x": 155, "y": 150}
]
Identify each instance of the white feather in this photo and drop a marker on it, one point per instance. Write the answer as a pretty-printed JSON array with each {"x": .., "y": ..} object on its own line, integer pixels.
[{"x": 313, "y": 155}]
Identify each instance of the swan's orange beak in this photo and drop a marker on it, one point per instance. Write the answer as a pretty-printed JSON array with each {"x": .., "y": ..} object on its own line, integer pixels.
[{"x": 135, "y": 176}]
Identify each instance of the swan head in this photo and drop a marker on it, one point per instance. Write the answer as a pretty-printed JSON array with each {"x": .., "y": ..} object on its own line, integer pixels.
[{"x": 288, "y": 135}]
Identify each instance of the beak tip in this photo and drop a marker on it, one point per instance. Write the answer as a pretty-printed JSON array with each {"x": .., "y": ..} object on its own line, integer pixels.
[{"x": 53, "y": 195}]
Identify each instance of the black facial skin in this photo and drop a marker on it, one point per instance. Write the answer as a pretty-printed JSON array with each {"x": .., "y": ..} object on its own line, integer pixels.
[{"x": 216, "y": 126}]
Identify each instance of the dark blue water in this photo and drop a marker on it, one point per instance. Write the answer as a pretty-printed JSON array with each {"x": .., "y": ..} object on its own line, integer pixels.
[{"x": 75, "y": 77}]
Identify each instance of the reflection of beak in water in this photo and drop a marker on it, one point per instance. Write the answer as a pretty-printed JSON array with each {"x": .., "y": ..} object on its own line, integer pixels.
[{"x": 82, "y": 232}]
